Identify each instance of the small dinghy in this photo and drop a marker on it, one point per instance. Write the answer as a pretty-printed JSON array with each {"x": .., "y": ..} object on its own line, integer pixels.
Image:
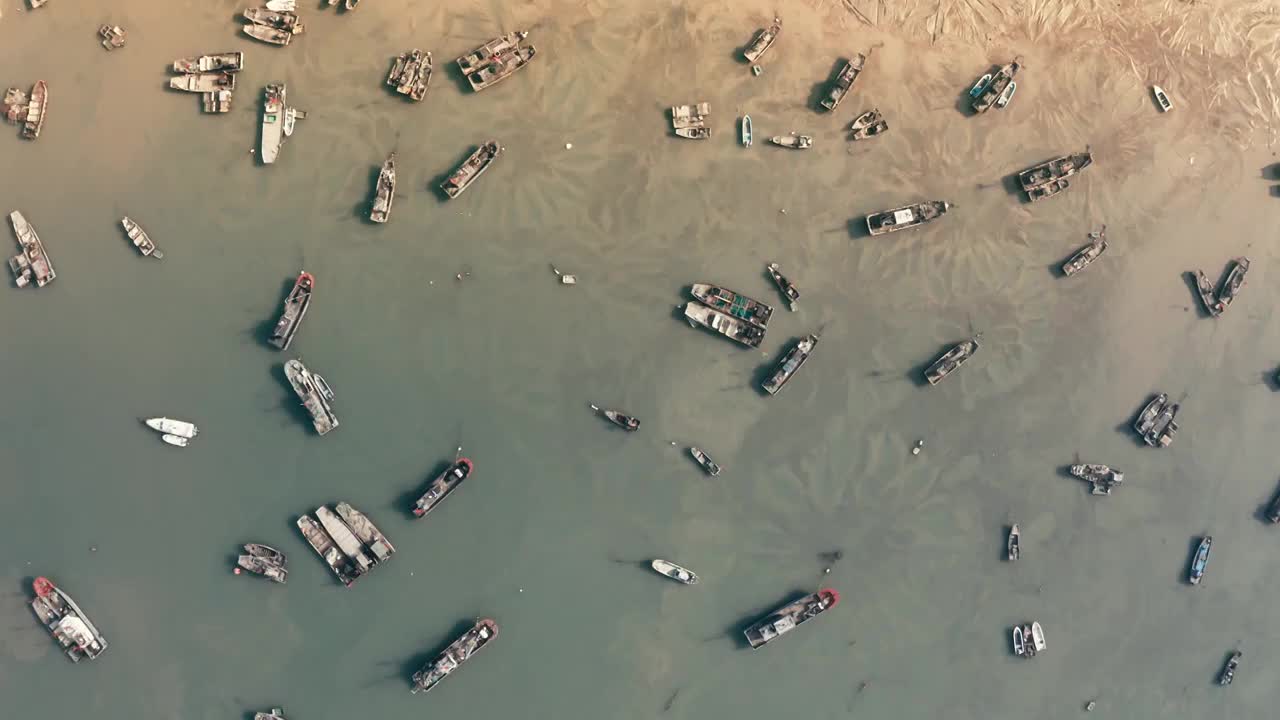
[
  {"x": 784, "y": 285},
  {"x": 705, "y": 461},
  {"x": 1007, "y": 95},
  {"x": 746, "y": 131},
  {"x": 793, "y": 141},
  {"x": 1019, "y": 642},
  {"x": 1014, "y": 545},
  {"x": 175, "y": 440},
  {"x": 1162, "y": 98},
  {"x": 622, "y": 420},
  {"x": 169, "y": 426},
  {"x": 675, "y": 572},
  {"x": 323, "y": 386},
  {"x": 979, "y": 86}
]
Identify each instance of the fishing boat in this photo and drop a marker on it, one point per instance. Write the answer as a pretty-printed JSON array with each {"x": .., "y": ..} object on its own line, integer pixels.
[
  {"x": 784, "y": 285},
  {"x": 1049, "y": 189},
  {"x": 791, "y": 362},
  {"x": 273, "y": 713},
  {"x": 708, "y": 465},
  {"x": 994, "y": 88},
  {"x": 216, "y": 102},
  {"x": 295, "y": 308},
  {"x": 907, "y": 216},
  {"x": 458, "y": 652},
  {"x": 762, "y": 41},
  {"x": 1199, "y": 561},
  {"x": 1162, "y": 98},
  {"x": 1019, "y": 642},
  {"x": 795, "y": 142},
  {"x": 176, "y": 440},
  {"x": 951, "y": 360},
  {"x": 169, "y": 426},
  {"x": 470, "y": 169},
  {"x": 265, "y": 552},
  {"x": 842, "y": 82},
  {"x": 270, "y": 35},
  {"x": 746, "y": 131},
  {"x": 1006, "y": 96},
  {"x": 386, "y": 191},
  {"x": 1013, "y": 545},
  {"x": 690, "y": 116},
  {"x": 1102, "y": 477},
  {"x": 1055, "y": 169},
  {"x": 731, "y": 327},
  {"x": 868, "y": 124},
  {"x": 500, "y": 68},
  {"x": 411, "y": 74},
  {"x": 1234, "y": 282},
  {"x": 675, "y": 572},
  {"x": 1147, "y": 418},
  {"x": 734, "y": 304},
  {"x": 485, "y": 54},
  {"x": 32, "y": 263},
  {"x": 141, "y": 239},
  {"x": 444, "y": 483},
  {"x": 113, "y": 37},
  {"x": 313, "y": 399},
  {"x": 979, "y": 86},
  {"x": 66, "y": 622},
  {"x": 1208, "y": 297},
  {"x": 693, "y": 133},
  {"x": 204, "y": 82},
  {"x": 217, "y": 62},
  {"x": 273, "y": 111},
  {"x": 319, "y": 540},
  {"x": 264, "y": 567},
  {"x": 621, "y": 419},
  {"x": 790, "y": 616},
  {"x": 36, "y": 106},
  {"x": 1037, "y": 637},
  {"x": 1087, "y": 254},
  {"x": 280, "y": 20},
  {"x": 1155, "y": 424},
  {"x": 1228, "y": 673},
  {"x": 365, "y": 531}
]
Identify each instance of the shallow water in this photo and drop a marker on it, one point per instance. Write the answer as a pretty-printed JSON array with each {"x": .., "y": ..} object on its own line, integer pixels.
[{"x": 548, "y": 536}]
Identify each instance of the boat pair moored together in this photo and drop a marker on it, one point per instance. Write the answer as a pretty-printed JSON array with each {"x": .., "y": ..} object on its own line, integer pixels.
[
  {"x": 1155, "y": 424},
  {"x": 213, "y": 76},
  {"x": 736, "y": 316},
  {"x": 27, "y": 110},
  {"x": 278, "y": 121},
  {"x": 263, "y": 560},
  {"x": 410, "y": 74},
  {"x": 496, "y": 60},
  {"x": 1215, "y": 301},
  {"x": 1052, "y": 176},
  {"x": 994, "y": 89},
  {"x": 271, "y": 27},
  {"x": 690, "y": 122},
  {"x": 175, "y": 432}
]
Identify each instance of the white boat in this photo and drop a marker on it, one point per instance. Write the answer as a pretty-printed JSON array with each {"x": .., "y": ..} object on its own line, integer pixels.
[
  {"x": 282, "y": 6},
  {"x": 176, "y": 440},
  {"x": 675, "y": 572},
  {"x": 169, "y": 426},
  {"x": 1162, "y": 98},
  {"x": 1007, "y": 95},
  {"x": 1037, "y": 637},
  {"x": 141, "y": 239},
  {"x": 1019, "y": 642},
  {"x": 273, "y": 114},
  {"x": 746, "y": 131}
]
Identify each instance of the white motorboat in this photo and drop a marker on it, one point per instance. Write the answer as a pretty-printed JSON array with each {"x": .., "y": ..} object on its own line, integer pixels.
[
  {"x": 175, "y": 440},
  {"x": 1037, "y": 637},
  {"x": 169, "y": 426},
  {"x": 681, "y": 575}
]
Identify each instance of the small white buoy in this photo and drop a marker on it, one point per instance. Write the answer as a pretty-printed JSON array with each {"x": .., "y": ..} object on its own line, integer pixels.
[
  {"x": 521, "y": 589},
  {"x": 919, "y": 446},
  {"x": 783, "y": 211},
  {"x": 826, "y": 571},
  {"x": 568, "y": 146}
]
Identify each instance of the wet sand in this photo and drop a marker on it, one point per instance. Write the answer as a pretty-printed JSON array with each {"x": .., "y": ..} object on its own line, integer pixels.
[{"x": 548, "y": 535}]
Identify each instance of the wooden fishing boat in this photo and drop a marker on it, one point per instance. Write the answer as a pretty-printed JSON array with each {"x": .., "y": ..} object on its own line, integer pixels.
[
  {"x": 458, "y": 652},
  {"x": 1007, "y": 95},
  {"x": 1103, "y": 477},
  {"x": 1162, "y": 98},
  {"x": 204, "y": 82},
  {"x": 951, "y": 360},
  {"x": 621, "y": 419},
  {"x": 380, "y": 211},
  {"x": 732, "y": 303},
  {"x": 690, "y": 116},
  {"x": 35, "y": 111},
  {"x": 992, "y": 91},
  {"x": 675, "y": 572},
  {"x": 1234, "y": 282},
  {"x": 411, "y": 74},
  {"x": 1161, "y": 429},
  {"x": 795, "y": 142},
  {"x": 280, "y": 20},
  {"x": 370, "y": 537},
  {"x": 1228, "y": 673},
  {"x": 1087, "y": 254},
  {"x": 500, "y": 68},
  {"x": 788, "y": 289},
  {"x": 141, "y": 239},
  {"x": 842, "y": 82},
  {"x": 483, "y": 55},
  {"x": 1019, "y": 642},
  {"x": 693, "y": 133},
  {"x": 1199, "y": 560},
  {"x": 868, "y": 124},
  {"x": 1204, "y": 288},
  {"x": 790, "y": 616},
  {"x": 113, "y": 37},
  {"x": 979, "y": 86},
  {"x": 727, "y": 325},
  {"x": 264, "y": 567},
  {"x": 217, "y": 62},
  {"x": 316, "y": 401},
  {"x": 762, "y": 41},
  {"x": 704, "y": 460},
  {"x": 295, "y": 308},
  {"x": 270, "y": 35},
  {"x": 1047, "y": 190},
  {"x": 790, "y": 363},
  {"x": 907, "y": 216},
  {"x": 266, "y": 552},
  {"x": 66, "y": 622},
  {"x": 1055, "y": 169},
  {"x": 443, "y": 484},
  {"x": 319, "y": 540},
  {"x": 1013, "y": 546},
  {"x": 746, "y": 131},
  {"x": 1147, "y": 418},
  {"x": 471, "y": 169}
]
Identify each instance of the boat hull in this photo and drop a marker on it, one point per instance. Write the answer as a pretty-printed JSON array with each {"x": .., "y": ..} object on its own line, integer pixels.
[
  {"x": 385, "y": 193},
  {"x": 452, "y": 658},
  {"x": 790, "y": 616},
  {"x": 951, "y": 361},
  {"x": 471, "y": 169},
  {"x": 763, "y": 40},
  {"x": 1199, "y": 561},
  {"x": 294, "y": 310},
  {"x": 442, "y": 486},
  {"x": 726, "y": 325},
  {"x": 907, "y": 216},
  {"x": 790, "y": 364},
  {"x": 682, "y": 575}
]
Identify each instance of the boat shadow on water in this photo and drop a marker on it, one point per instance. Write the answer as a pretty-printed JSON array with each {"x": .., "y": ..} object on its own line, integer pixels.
[
  {"x": 857, "y": 229},
  {"x": 455, "y": 74},
  {"x": 361, "y": 209},
  {"x": 1013, "y": 186}
]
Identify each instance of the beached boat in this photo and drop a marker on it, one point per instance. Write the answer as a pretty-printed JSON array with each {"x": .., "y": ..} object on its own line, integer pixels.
[
  {"x": 1006, "y": 96},
  {"x": 762, "y": 41},
  {"x": 979, "y": 86},
  {"x": 471, "y": 169},
  {"x": 690, "y": 116},
  {"x": 1234, "y": 282},
  {"x": 140, "y": 239},
  {"x": 795, "y": 142},
  {"x": 784, "y": 285},
  {"x": 790, "y": 616},
  {"x": 1199, "y": 560},
  {"x": 1087, "y": 254},
  {"x": 842, "y": 82},
  {"x": 1228, "y": 673},
  {"x": 365, "y": 531},
  {"x": 411, "y": 74},
  {"x": 279, "y": 20},
  {"x": 273, "y": 713},
  {"x": 621, "y": 419},
  {"x": 217, "y": 62},
  {"x": 1013, "y": 546},
  {"x": 216, "y": 102},
  {"x": 727, "y": 325},
  {"x": 1162, "y": 98},
  {"x": 992, "y": 91},
  {"x": 907, "y": 216},
  {"x": 693, "y": 133},
  {"x": 483, "y": 55},
  {"x": 1019, "y": 642},
  {"x": 319, "y": 540},
  {"x": 113, "y": 37},
  {"x": 1204, "y": 288},
  {"x": 176, "y": 440},
  {"x": 746, "y": 131},
  {"x": 204, "y": 82},
  {"x": 951, "y": 360},
  {"x": 380, "y": 211},
  {"x": 35, "y": 112},
  {"x": 675, "y": 572},
  {"x": 1055, "y": 169},
  {"x": 704, "y": 460},
  {"x": 868, "y": 124},
  {"x": 66, "y": 622},
  {"x": 791, "y": 362},
  {"x": 444, "y": 483},
  {"x": 1102, "y": 477},
  {"x": 735, "y": 304},
  {"x": 500, "y": 68},
  {"x": 1037, "y": 638},
  {"x": 295, "y": 308},
  {"x": 313, "y": 399},
  {"x": 270, "y": 35},
  {"x": 458, "y": 652},
  {"x": 169, "y": 426},
  {"x": 33, "y": 262}
]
